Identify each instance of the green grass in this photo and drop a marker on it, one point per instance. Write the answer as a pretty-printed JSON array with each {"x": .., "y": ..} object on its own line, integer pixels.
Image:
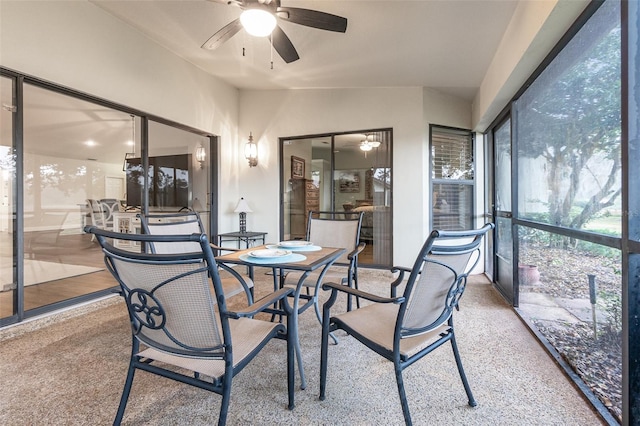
[{"x": 610, "y": 225}]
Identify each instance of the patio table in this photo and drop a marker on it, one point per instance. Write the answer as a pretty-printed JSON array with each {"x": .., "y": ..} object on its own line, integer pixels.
[{"x": 305, "y": 261}]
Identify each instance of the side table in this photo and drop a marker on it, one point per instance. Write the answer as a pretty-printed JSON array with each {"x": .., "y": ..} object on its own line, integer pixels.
[{"x": 249, "y": 238}]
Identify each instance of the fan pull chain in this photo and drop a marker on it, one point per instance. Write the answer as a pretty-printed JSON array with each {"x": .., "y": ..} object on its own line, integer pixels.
[{"x": 271, "y": 51}]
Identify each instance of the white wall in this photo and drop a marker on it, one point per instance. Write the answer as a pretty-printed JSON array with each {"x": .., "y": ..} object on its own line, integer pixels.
[
  {"x": 78, "y": 45},
  {"x": 534, "y": 30},
  {"x": 444, "y": 110},
  {"x": 287, "y": 113}
]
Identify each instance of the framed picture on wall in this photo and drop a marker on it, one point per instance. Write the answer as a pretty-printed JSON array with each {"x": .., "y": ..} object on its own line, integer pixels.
[
  {"x": 349, "y": 182},
  {"x": 297, "y": 167}
]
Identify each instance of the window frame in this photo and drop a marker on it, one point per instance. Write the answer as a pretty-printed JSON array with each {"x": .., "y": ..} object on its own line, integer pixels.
[{"x": 433, "y": 181}]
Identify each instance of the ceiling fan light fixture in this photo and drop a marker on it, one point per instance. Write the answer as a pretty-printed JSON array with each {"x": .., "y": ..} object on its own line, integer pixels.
[
  {"x": 365, "y": 146},
  {"x": 371, "y": 141},
  {"x": 258, "y": 22}
]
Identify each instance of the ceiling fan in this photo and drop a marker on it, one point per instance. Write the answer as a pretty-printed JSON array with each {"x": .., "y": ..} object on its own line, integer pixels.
[{"x": 270, "y": 10}]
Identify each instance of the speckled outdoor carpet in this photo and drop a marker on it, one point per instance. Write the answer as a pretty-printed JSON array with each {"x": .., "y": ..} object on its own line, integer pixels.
[{"x": 69, "y": 369}]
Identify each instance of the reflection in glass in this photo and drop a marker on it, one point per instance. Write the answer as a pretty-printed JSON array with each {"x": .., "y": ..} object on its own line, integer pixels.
[
  {"x": 502, "y": 142},
  {"x": 177, "y": 180},
  {"x": 76, "y": 158},
  {"x": 341, "y": 173},
  {"x": 169, "y": 181},
  {"x": 73, "y": 153}
]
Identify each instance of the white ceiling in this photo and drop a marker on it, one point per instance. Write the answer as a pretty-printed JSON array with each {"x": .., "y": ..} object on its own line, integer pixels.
[{"x": 446, "y": 45}]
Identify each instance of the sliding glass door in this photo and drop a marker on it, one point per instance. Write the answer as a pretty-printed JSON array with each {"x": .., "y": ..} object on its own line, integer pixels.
[
  {"x": 69, "y": 160},
  {"x": 502, "y": 211},
  {"x": 179, "y": 171},
  {"x": 73, "y": 176},
  {"x": 340, "y": 172}
]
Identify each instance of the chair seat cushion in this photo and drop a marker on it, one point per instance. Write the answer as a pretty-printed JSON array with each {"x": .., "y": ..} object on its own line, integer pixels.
[
  {"x": 336, "y": 276},
  {"x": 377, "y": 323},
  {"x": 246, "y": 335}
]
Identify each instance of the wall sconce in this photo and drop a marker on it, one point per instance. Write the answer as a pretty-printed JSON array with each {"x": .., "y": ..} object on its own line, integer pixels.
[
  {"x": 243, "y": 208},
  {"x": 251, "y": 151},
  {"x": 201, "y": 155}
]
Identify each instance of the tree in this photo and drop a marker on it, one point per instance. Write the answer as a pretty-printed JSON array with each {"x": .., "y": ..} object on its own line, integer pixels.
[{"x": 571, "y": 115}]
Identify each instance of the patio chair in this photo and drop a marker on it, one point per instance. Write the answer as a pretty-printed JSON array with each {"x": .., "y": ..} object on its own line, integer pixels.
[
  {"x": 109, "y": 206},
  {"x": 190, "y": 223},
  {"x": 181, "y": 325},
  {"x": 333, "y": 229},
  {"x": 403, "y": 329},
  {"x": 95, "y": 214}
]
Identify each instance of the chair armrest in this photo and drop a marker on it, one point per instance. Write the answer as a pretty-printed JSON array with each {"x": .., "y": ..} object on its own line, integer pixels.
[
  {"x": 360, "y": 293},
  {"x": 399, "y": 279},
  {"x": 357, "y": 251},
  {"x": 261, "y": 304},
  {"x": 400, "y": 269}
]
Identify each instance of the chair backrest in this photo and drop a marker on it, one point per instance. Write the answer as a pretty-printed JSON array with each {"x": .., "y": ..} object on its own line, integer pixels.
[
  {"x": 438, "y": 279},
  {"x": 335, "y": 229},
  {"x": 168, "y": 296},
  {"x": 173, "y": 224},
  {"x": 108, "y": 207},
  {"x": 95, "y": 211}
]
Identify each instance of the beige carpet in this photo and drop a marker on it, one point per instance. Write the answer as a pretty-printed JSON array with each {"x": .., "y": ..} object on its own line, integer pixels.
[
  {"x": 71, "y": 372},
  {"x": 38, "y": 271}
]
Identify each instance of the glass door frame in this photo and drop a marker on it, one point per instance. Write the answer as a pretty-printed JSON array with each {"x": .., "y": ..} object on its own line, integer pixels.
[
  {"x": 505, "y": 283},
  {"x": 489, "y": 214},
  {"x": 17, "y": 207},
  {"x": 332, "y": 136},
  {"x": 19, "y": 80},
  {"x": 211, "y": 149}
]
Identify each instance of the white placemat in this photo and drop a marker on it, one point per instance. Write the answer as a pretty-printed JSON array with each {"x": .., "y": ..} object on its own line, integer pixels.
[{"x": 292, "y": 258}]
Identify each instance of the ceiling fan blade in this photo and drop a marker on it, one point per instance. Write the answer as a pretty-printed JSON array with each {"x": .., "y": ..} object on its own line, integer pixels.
[
  {"x": 223, "y": 35},
  {"x": 313, "y": 18},
  {"x": 283, "y": 45}
]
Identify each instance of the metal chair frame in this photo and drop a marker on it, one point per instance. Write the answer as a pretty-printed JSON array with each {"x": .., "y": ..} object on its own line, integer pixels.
[
  {"x": 170, "y": 220},
  {"x": 441, "y": 251},
  {"x": 108, "y": 206},
  {"x": 154, "y": 324},
  {"x": 349, "y": 259},
  {"x": 351, "y": 279}
]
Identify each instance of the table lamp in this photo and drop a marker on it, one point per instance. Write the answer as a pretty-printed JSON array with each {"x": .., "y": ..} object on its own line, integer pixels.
[{"x": 243, "y": 208}]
